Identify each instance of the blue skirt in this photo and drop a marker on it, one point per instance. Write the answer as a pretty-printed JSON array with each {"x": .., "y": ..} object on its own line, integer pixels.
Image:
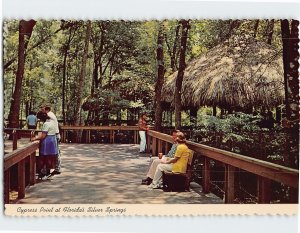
[{"x": 48, "y": 145}]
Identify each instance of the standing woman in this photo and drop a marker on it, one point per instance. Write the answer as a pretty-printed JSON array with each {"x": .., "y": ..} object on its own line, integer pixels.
[
  {"x": 142, "y": 132},
  {"x": 48, "y": 145}
]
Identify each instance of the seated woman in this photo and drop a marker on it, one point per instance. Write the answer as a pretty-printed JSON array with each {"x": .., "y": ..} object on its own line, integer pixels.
[
  {"x": 177, "y": 164},
  {"x": 48, "y": 146}
]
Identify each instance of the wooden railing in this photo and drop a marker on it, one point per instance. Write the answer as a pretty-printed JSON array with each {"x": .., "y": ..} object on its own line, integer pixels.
[
  {"x": 111, "y": 129},
  {"x": 265, "y": 171},
  {"x": 17, "y": 159}
]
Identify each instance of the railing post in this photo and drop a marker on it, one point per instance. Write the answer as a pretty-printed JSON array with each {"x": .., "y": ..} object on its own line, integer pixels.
[
  {"x": 148, "y": 143},
  {"x": 263, "y": 190},
  {"x": 135, "y": 137},
  {"x": 6, "y": 186},
  {"x": 154, "y": 152},
  {"x": 206, "y": 175},
  {"x": 32, "y": 168},
  {"x": 167, "y": 148},
  {"x": 229, "y": 183},
  {"x": 63, "y": 135},
  {"x": 15, "y": 139},
  {"x": 159, "y": 149},
  {"x": 21, "y": 179}
]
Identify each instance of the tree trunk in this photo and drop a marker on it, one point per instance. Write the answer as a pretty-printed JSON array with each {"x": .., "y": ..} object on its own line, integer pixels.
[
  {"x": 177, "y": 95},
  {"x": 270, "y": 31},
  {"x": 25, "y": 29},
  {"x": 64, "y": 81},
  {"x": 255, "y": 28},
  {"x": 160, "y": 78},
  {"x": 290, "y": 40},
  {"x": 82, "y": 73},
  {"x": 173, "y": 51}
]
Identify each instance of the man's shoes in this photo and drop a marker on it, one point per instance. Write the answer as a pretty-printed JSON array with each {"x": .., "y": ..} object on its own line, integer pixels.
[
  {"x": 155, "y": 186},
  {"x": 55, "y": 173},
  {"x": 146, "y": 181}
]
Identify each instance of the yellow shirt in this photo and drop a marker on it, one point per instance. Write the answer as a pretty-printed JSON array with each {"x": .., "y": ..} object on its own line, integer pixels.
[{"x": 183, "y": 153}]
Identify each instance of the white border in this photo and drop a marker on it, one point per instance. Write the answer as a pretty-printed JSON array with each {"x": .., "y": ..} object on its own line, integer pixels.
[{"x": 144, "y": 9}]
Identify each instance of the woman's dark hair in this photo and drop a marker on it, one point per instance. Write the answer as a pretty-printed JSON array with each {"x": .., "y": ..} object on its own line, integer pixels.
[
  {"x": 42, "y": 116},
  {"x": 181, "y": 137}
]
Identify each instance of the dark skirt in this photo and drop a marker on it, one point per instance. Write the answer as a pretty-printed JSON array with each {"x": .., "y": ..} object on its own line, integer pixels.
[
  {"x": 48, "y": 152},
  {"x": 49, "y": 146}
]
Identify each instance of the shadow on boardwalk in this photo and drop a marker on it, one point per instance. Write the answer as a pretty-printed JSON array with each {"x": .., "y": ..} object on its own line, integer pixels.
[{"x": 106, "y": 173}]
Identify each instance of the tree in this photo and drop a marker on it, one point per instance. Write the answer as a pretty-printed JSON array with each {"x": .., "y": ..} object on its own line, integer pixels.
[
  {"x": 160, "y": 77},
  {"x": 182, "y": 64},
  {"x": 269, "y": 31},
  {"x": 82, "y": 73},
  {"x": 25, "y": 31},
  {"x": 290, "y": 40},
  {"x": 173, "y": 50}
]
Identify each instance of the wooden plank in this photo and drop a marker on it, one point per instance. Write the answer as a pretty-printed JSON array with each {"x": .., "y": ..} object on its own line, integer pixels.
[
  {"x": 6, "y": 186},
  {"x": 114, "y": 127},
  {"x": 162, "y": 136},
  {"x": 154, "y": 151},
  {"x": 16, "y": 156},
  {"x": 32, "y": 167},
  {"x": 21, "y": 179},
  {"x": 263, "y": 190},
  {"x": 229, "y": 184},
  {"x": 206, "y": 175}
]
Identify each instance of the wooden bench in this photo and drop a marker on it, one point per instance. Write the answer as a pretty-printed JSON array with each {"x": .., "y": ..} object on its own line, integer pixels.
[{"x": 179, "y": 182}]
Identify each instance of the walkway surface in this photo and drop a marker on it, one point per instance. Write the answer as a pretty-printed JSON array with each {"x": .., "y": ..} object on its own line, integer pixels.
[{"x": 106, "y": 174}]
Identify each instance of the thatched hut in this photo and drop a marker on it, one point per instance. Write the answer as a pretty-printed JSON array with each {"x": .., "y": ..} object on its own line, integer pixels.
[{"x": 238, "y": 73}]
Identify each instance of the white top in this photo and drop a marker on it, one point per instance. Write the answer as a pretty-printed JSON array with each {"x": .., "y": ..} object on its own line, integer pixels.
[
  {"x": 49, "y": 126},
  {"x": 53, "y": 118}
]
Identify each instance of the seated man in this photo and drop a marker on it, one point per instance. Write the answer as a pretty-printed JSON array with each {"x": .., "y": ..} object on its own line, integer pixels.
[
  {"x": 177, "y": 164},
  {"x": 155, "y": 161}
]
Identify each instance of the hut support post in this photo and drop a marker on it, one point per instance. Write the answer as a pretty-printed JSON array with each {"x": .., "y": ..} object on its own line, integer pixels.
[
  {"x": 193, "y": 116},
  {"x": 214, "y": 112}
]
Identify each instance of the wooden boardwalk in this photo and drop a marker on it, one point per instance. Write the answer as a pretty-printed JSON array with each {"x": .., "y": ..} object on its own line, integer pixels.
[{"x": 106, "y": 174}]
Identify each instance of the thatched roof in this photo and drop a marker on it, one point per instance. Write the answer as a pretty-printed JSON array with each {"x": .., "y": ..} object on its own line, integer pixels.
[{"x": 239, "y": 72}]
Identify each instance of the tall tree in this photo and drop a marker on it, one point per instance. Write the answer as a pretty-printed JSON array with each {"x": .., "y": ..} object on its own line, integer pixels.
[
  {"x": 82, "y": 74},
  {"x": 172, "y": 49},
  {"x": 160, "y": 77},
  {"x": 65, "y": 48},
  {"x": 270, "y": 30},
  {"x": 256, "y": 23},
  {"x": 290, "y": 40},
  {"x": 182, "y": 64},
  {"x": 25, "y": 31}
]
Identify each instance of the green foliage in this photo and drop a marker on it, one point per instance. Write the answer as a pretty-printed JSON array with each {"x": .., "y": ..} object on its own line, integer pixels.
[
  {"x": 240, "y": 133},
  {"x": 105, "y": 101}
]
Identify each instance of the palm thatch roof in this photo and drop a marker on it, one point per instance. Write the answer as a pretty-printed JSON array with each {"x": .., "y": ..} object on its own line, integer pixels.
[{"x": 239, "y": 72}]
